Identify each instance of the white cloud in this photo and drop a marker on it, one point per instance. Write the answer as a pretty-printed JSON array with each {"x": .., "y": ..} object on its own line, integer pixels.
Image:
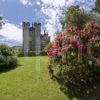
[
  {"x": 26, "y": 2},
  {"x": 38, "y": 3},
  {"x": 59, "y": 2},
  {"x": 70, "y": 2},
  {"x": 11, "y": 31},
  {"x": 52, "y": 9},
  {"x": 47, "y": 1},
  {"x": 54, "y": 2}
]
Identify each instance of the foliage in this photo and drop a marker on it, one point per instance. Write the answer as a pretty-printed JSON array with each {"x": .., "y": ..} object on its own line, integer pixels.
[
  {"x": 57, "y": 33},
  {"x": 75, "y": 16},
  {"x": 74, "y": 62},
  {"x": 1, "y": 22},
  {"x": 48, "y": 47},
  {"x": 18, "y": 50},
  {"x": 7, "y": 57},
  {"x": 97, "y": 6}
]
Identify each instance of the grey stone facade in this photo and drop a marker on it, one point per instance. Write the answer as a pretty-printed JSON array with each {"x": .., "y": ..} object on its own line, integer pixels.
[{"x": 33, "y": 40}]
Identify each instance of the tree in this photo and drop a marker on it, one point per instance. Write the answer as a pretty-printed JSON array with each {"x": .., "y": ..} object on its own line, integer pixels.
[
  {"x": 1, "y": 22},
  {"x": 97, "y": 6},
  {"x": 48, "y": 47},
  {"x": 57, "y": 33},
  {"x": 74, "y": 16},
  {"x": 97, "y": 10}
]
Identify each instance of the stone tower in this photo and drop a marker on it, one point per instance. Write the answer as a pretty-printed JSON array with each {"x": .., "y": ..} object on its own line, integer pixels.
[
  {"x": 37, "y": 27},
  {"x": 26, "y": 39},
  {"x": 33, "y": 41}
]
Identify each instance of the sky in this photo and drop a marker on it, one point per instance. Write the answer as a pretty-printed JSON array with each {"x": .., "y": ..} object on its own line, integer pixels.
[{"x": 47, "y": 12}]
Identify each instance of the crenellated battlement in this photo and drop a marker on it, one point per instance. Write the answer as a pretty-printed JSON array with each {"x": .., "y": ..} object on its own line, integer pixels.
[
  {"x": 26, "y": 24},
  {"x": 37, "y": 24}
]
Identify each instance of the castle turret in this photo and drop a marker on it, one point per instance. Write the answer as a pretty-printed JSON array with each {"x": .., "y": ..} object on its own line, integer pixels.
[
  {"x": 26, "y": 26},
  {"x": 37, "y": 27},
  {"x": 45, "y": 39},
  {"x": 32, "y": 39}
]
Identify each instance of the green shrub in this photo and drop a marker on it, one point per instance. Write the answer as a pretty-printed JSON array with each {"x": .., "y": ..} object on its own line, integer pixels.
[
  {"x": 19, "y": 51},
  {"x": 20, "y": 54},
  {"x": 8, "y": 57},
  {"x": 48, "y": 46},
  {"x": 43, "y": 53}
]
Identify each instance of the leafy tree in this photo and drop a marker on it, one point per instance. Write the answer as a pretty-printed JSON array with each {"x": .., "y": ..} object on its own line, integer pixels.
[
  {"x": 57, "y": 33},
  {"x": 74, "y": 16},
  {"x": 1, "y": 22},
  {"x": 97, "y": 10},
  {"x": 48, "y": 47},
  {"x": 97, "y": 6}
]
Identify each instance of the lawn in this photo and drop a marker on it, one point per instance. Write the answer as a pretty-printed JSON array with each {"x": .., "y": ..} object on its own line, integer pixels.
[{"x": 29, "y": 81}]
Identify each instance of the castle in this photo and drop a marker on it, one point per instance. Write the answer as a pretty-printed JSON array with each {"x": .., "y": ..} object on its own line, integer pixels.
[{"x": 33, "y": 40}]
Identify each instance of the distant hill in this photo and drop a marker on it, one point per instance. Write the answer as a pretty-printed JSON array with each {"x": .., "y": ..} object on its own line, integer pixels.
[
  {"x": 10, "y": 42},
  {"x": 2, "y": 37}
]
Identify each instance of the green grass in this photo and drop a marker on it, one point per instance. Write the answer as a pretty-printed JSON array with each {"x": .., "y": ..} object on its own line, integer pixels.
[{"x": 29, "y": 81}]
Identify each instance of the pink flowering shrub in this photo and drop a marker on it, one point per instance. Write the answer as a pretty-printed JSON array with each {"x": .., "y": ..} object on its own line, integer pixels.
[{"x": 73, "y": 60}]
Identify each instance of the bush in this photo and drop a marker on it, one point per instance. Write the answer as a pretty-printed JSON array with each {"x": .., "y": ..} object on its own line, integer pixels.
[
  {"x": 19, "y": 51},
  {"x": 48, "y": 46},
  {"x": 8, "y": 57},
  {"x": 73, "y": 61}
]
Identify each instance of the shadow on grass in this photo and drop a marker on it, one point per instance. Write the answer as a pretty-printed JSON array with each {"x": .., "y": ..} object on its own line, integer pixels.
[
  {"x": 4, "y": 69},
  {"x": 87, "y": 91}
]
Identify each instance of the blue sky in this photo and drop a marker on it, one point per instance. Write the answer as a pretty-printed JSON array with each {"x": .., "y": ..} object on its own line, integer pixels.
[{"x": 47, "y": 12}]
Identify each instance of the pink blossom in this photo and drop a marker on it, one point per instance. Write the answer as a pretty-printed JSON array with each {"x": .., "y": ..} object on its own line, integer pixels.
[
  {"x": 94, "y": 35},
  {"x": 74, "y": 43},
  {"x": 52, "y": 52},
  {"x": 61, "y": 37},
  {"x": 69, "y": 29},
  {"x": 81, "y": 32}
]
